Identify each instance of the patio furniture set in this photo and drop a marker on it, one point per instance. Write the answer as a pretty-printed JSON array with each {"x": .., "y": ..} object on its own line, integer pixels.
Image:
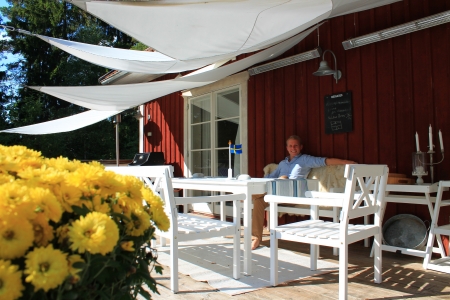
[{"x": 366, "y": 193}]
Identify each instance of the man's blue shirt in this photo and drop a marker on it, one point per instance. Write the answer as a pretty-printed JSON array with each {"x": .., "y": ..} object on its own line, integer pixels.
[{"x": 298, "y": 167}]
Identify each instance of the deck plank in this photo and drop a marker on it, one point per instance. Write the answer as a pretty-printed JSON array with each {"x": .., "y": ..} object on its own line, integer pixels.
[{"x": 403, "y": 278}]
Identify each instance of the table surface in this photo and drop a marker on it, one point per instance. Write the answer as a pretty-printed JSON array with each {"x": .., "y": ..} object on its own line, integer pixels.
[
  {"x": 220, "y": 180},
  {"x": 413, "y": 188}
]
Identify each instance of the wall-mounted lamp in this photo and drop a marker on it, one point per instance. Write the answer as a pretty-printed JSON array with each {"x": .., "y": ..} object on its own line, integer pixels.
[
  {"x": 324, "y": 69},
  {"x": 138, "y": 115},
  {"x": 117, "y": 119}
]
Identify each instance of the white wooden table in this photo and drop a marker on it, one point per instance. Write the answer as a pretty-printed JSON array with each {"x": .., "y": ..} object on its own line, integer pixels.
[
  {"x": 143, "y": 172},
  {"x": 425, "y": 199},
  {"x": 249, "y": 187}
]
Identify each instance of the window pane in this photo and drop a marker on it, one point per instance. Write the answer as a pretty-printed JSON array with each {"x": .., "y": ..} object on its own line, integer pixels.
[
  {"x": 227, "y": 130},
  {"x": 228, "y": 104},
  {"x": 201, "y": 136},
  {"x": 223, "y": 162},
  {"x": 201, "y": 162},
  {"x": 201, "y": 110}
]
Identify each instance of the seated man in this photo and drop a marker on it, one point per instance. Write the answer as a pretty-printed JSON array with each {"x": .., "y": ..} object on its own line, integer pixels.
[{"x": 294, "y": 166}]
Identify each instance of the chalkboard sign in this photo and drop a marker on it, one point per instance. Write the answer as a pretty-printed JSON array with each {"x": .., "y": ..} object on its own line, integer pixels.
[{"x": 338, "y": 113}]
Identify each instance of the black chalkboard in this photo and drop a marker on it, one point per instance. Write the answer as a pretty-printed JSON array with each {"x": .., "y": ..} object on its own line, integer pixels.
[{"x": 338, "y": 113}]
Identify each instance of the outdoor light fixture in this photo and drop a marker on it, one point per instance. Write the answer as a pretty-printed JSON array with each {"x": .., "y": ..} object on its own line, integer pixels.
[
  {"x": 420, "y": 24},
  {"x": 286, "y": 61},
  {"x": 324, "y": 69},
  {"x": 138, "y": 115}
]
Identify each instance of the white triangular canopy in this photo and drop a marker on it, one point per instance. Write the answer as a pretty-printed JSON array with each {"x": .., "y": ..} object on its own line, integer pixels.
[
  {"x": 197, "y": 29},
  {"x": 64, "y": 124},
  {"x": 121, "y": 97},
  {"x": 132, "y": 61},
  {"x": 344, "y": 7},
  {"x": 190, "y": 29}
]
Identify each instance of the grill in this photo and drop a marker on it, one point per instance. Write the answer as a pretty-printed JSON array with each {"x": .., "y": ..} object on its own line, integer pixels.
[{"x": 148, "y": 159}]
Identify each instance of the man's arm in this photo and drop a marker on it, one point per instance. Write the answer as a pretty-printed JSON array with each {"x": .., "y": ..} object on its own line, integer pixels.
[
  {"x": 274, "y": 174},
  {"x": 337, "y": 161}
]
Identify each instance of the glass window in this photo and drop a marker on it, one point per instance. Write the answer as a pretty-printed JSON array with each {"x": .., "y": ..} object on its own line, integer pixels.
[
  {"x": 202, "y": 162},
  {"x": 201, "y": 110},
  {"x": 214, "y": 120},
  {"x": 201, "y": 136},
  {"x": 227, "y": 104}
]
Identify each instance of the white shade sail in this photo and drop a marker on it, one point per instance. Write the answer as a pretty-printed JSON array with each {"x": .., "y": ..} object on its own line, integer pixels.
[
  {"x": 197, "y": 29},
  {"x": 121, "y": 97},
  {"x": 64, "y": 124},
  {"x": 190, "y": 29},
  {"x": 344, "y": 7},
  {"x": 130, "y": 60}
]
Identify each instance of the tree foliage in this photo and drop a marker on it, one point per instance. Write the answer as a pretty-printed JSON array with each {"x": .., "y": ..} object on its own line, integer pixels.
[{"x": 44, "y": 65}]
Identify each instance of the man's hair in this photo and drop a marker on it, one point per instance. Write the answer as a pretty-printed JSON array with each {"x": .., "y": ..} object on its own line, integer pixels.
[{"x": 295, "y": 137}]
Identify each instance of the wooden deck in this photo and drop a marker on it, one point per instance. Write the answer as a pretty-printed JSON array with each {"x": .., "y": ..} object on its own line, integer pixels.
[{"x": 403, "y": 278}]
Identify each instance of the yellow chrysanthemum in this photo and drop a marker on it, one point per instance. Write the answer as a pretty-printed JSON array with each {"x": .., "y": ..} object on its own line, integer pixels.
[
  {"x": 101, "y": 205},
  {"x": 86, "y": 176},
  {"x": 74, "y": 271},
  {"x": 11, "y": 286},
  {"x": 46, "y": 203},
  {"x": 156, "y": 209},
  {"x": 109, "y": 184},
  {"x": 16, "y": 236},
  {"x": 68, "y": 195},
  {"x": 6, "y": 178},
  {"x": 43, "y": 232},
  {"x": 127, "y": 246},
  {"x": 46, "y": 268},
  {"x": 131, "y": 187},
  {"x": 16, "y": 158},
  {"x": 62, "y": 164},
  {"x": 140, "y": 222},
  {"x": 15, "y": 200},
  {"x": 62, "y": 232},
  {"x": 95, "y": 233}
]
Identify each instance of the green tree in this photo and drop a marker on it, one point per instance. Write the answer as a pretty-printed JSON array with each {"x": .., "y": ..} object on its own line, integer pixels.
[{"x": 44, "y": 65}]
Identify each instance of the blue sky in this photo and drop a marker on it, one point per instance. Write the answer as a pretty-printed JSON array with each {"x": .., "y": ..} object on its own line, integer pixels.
[{"x": 9, "y": 57}]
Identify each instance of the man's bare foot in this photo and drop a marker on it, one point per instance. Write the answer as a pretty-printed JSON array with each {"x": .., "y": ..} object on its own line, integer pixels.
[{"x": 255, "y": 243}]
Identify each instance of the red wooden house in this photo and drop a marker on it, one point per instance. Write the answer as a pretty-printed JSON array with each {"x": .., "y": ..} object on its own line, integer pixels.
[{"x": 399, "y": 86}]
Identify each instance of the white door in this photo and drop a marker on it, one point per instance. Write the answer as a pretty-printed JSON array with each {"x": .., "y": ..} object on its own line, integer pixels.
[{"x": 214, "y": 120}]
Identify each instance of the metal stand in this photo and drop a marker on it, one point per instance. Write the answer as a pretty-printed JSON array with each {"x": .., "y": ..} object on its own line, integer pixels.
[{"x": 431, "y": 164}]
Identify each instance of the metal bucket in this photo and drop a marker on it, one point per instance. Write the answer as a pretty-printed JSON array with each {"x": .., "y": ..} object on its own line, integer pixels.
[{"x": 405, "y": 231}]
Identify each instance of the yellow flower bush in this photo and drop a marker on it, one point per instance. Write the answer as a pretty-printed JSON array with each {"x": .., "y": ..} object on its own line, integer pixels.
[{"x": 70, "y": 230}]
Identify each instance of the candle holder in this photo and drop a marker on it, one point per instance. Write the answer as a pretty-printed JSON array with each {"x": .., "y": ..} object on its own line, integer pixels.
[
  {"x": 419, "y": 166},
  {"x": 431, "y": 164},
  {"x": 420, "y": 157}
]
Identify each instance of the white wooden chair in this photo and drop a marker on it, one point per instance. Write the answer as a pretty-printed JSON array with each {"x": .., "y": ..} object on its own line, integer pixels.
[
  {"x": 333, "y": 234},
  {"x": 442, "y": 264},
  {"x": 186, "y": 227}
]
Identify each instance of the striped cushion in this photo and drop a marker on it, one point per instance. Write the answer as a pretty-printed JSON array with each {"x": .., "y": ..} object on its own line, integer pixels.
[{"x": 287, "y": 187}]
